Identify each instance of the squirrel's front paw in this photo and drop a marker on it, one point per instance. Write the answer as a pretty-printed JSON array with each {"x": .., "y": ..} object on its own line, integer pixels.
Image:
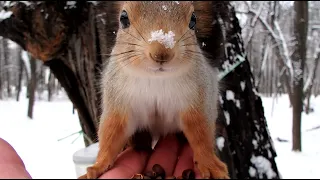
[
  {"x": 83, "y": 177},
  {"x": 94, "y": 172},
  {"x": 215, "y": 169}
]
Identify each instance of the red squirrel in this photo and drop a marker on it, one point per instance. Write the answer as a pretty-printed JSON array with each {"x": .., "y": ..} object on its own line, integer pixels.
[{"x": 158, "y": 80}]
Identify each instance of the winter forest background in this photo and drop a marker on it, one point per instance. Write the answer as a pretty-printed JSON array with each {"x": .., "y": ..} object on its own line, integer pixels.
[{"x": 35, "y": 112}]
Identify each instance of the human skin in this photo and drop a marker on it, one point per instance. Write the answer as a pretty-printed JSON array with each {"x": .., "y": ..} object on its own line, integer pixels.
[
  {"x": 11, "y": 165},
  {"x": 128, "y": 162}
]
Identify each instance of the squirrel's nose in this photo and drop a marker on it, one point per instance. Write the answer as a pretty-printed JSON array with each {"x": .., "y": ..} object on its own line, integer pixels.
[
  {"x": 161, "y": 57},
  {"x": 160, "y": 54}
]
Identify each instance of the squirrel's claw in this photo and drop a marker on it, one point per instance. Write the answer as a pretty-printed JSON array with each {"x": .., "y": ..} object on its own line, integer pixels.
[{"x": 216, "y": 170}]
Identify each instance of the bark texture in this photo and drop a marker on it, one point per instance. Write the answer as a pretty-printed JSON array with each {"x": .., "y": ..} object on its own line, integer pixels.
[{"x": 299, "y": 59}]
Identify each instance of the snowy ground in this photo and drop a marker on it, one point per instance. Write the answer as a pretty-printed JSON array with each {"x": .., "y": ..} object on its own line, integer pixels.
[
  {"x": 294, "y": 165},
  {"x": 36, "y": 141}
]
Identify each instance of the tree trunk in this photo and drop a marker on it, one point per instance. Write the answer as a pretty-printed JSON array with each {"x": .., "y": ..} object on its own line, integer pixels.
[
  {"x": 308, "y": 91},
  {"x": 1, "y": 69},
  {"x": 81, "y": 48},
  {"x": 6, "y": 65},
  {"x": 299, "y": 58},
  {"x": 20, "y": 75},
  {"x": 310, "y": 84},
  {"x": 32, "y": 87},
  {"x": 40, "y": 80},
  {"x": 50, "y": 86}
]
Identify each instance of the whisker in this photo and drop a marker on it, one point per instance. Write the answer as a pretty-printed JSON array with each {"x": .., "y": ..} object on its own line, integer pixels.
[
  {"x": 193, "y": 60},
  {"x": 131, "y": 35},
  {"x": 182, "y": 36},
  {"x": 197, "y": 52},
  {"x": 189, "y": 37},
  {"x": 125, "y": 52},
  {"x": 189, "y": 45},
  {"x": 123, "y": 65},
  {"x": 192, "y": 54},
  {"x": 126, "y": 58},
  {"x": 138, "y": 30},
  {"x": 209, "y": 60},
  {"x": 128, "y": 43},
  {"x": 140, "y": 34}
]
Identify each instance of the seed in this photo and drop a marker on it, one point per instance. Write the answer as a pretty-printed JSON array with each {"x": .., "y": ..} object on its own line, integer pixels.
[
  {"x": 150, "y": 174},
  {"x": 137, "y": 176},
  {"x": 159, "y": 170},
  {"x": 171, "y": 177},
  {"x": 146, "y": 177},
  {"x": 188, "y": 174}
]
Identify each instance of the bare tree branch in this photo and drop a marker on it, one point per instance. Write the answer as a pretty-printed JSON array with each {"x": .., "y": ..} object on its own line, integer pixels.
[
  {"x": 252, "y": 25},
  {"x": 313, "y": 73},
  {"x": 288, "y": 61}
]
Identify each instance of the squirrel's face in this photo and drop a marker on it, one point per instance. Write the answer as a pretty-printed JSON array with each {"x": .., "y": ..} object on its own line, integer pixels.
[{"x": 156, "y": 37}]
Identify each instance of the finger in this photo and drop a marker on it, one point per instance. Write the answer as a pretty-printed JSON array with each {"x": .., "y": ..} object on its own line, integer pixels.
[
  {"x": 165, "y": 154},
  {"x": 11, "y": 165},
  {"x": 185, "y": 160},
  {"x": 127, "y": 164},
  {"x": 197, "y": 172}
]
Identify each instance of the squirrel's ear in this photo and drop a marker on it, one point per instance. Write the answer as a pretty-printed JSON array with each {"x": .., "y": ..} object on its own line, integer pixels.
[
  {"x": 204, "y": 12},
  {"x": 116, "y": 5}
]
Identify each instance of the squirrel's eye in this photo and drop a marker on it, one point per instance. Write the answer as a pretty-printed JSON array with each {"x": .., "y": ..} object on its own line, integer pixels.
[
  {"x": 124, "y": 19},
  {"x": 193, "y": 21}
]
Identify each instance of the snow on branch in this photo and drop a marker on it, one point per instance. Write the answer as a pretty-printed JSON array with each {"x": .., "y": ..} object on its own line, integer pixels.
[
  {"x": 312, "y": 73},
  {"x": 94, "y": 2},
  {"x": 253, "y": 24},
  {"x": 9, "y": 4},
  {"x": 258, "y": 14},
  {"x": 264, "y": 23},
  {"x": 287, "y": 59},
  {"x": 26, "y": 60},
  {"x": 5, "y": 14},
  {"x": 265, "y": 57},
  {"x": 285, "y": 48}
]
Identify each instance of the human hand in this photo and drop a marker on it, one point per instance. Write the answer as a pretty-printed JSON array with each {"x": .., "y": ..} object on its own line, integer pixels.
[
  {"x": 11, "y": 165},
  {"x": 128, "y": 163},
  {"x": 173, "y": 157}
]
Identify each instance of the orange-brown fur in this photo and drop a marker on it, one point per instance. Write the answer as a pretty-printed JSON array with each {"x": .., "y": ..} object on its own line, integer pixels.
[
  {"x": 135, "y": 98},
  {"x": 135, "y": 9},
  {"x": 111, "y": 132},
  {"x": 203, "y": 9},
  {"x": 200, "y": 134}
]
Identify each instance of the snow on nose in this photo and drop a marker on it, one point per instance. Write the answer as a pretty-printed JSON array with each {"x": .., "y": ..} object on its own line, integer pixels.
[{"x": 166, "y": 39}]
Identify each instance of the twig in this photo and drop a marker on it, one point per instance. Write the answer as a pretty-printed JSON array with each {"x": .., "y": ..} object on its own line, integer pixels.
[
  {"x": 313, "y": 72},
  {"x": 314, "y": 128},
  {"x": 287, "y": 60},
  {"x": 76, "y": 137},
  {"x": 285, "y": 48},
  {"x": 264, "y": 23},
  {"x": 70, "y": 135},
  {"x": 253, "y": 24},
  {"x": 87, "y": 138}
]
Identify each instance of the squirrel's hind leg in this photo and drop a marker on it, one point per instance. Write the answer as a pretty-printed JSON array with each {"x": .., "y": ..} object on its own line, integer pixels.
[{"x": 200, "y": 135}]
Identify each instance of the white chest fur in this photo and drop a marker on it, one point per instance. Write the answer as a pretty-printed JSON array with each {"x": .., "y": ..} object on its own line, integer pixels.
[{"x": 156, "y": 102}]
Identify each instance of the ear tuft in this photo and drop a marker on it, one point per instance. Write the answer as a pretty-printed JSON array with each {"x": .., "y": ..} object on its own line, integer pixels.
[{"x": 204, "y": 13}]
